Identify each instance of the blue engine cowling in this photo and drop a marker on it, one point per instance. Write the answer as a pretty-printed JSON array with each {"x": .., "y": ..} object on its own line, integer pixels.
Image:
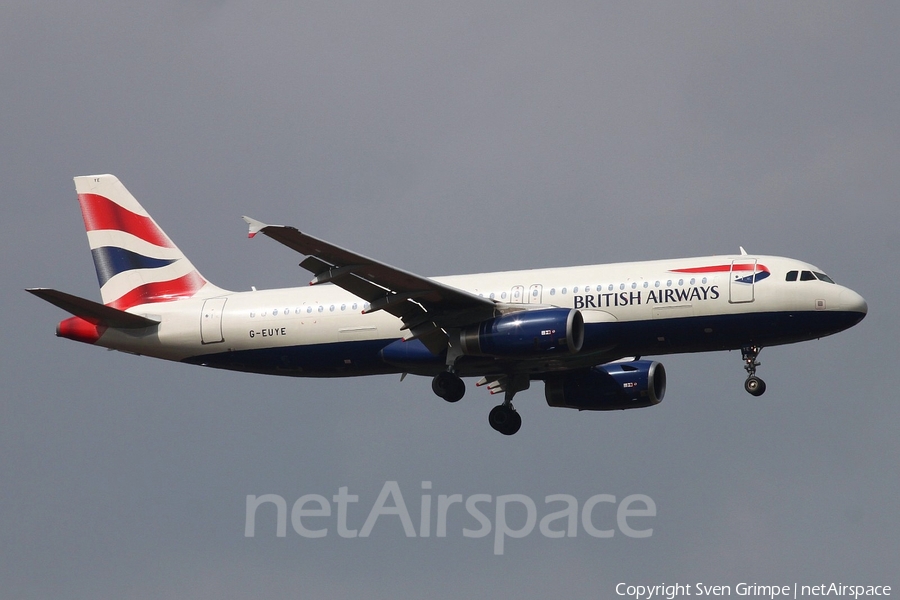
[
  {"x": 614, "y": 386},
  {"x": 526, "y": 333}
]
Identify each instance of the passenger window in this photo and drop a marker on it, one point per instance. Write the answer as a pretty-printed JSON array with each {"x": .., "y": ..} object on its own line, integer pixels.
[
  {"x": 791, "y": 276},
  {"x": 807, "y": 276}
]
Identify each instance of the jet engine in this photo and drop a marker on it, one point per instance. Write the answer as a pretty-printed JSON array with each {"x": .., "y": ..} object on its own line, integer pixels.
[
  {"x": 614, "y": 386},
  {"x": 526, "y": 333}
]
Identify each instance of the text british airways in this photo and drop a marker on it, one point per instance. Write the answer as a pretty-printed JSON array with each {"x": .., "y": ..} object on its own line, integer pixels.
[{"x": 638, "y": 297}]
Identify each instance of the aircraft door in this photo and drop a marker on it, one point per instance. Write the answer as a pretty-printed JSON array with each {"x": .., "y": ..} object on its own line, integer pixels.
[
  {"x": 517, "y": 294},
  {"x": 743, "y": 277},
  {"x": 534, "y": 294},
  {"x": 211, "y": 321}
]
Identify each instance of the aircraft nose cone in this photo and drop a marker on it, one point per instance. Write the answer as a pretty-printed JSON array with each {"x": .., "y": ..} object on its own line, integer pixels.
[{"x": 853, "y": 302}]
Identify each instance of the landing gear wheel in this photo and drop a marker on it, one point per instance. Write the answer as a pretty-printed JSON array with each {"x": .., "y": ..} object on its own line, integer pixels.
[
  {"x": 755, "y": 386},
  {"x": 505, "y": 419},
  {"x": 448, "y": 386}
]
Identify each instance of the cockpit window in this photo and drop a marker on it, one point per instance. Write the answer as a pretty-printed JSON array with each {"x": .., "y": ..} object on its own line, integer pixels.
[{"x": 807, "y": 276}]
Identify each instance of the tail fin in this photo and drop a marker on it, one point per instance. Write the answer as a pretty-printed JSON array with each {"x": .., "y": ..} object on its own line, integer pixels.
[{"x": 136, "y": 261}]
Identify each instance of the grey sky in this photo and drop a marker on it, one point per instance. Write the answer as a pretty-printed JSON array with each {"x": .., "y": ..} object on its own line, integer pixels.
[{"x": 447, "y": 138}]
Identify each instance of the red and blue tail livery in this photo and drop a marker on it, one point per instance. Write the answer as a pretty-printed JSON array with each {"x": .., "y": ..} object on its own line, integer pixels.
[
  {"x": 136, "y": 262},
  {"x": 579, "y": 330}
]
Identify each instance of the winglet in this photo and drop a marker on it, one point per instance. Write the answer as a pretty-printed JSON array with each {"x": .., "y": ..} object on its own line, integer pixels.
[{"x": 255, "y": 226}]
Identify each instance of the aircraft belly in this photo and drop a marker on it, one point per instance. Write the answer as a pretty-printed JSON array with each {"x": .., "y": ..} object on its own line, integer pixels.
[
  {"x": 724, "y": 332},
  {"x": 336, "y": 359}
]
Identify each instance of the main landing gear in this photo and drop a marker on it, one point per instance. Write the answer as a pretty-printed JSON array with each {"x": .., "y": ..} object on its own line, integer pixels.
[
  {"x": 754, "y": 385},
  {"x": 449, "y": 386},
  {"x": 503, "y": 417}
]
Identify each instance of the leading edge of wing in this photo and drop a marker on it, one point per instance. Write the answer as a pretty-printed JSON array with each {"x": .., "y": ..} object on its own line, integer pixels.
[{"x": 377, "y": 282}]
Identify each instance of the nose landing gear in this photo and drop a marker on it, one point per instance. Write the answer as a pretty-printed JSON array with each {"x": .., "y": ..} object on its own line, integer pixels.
[{"x": 754, "y": 385}]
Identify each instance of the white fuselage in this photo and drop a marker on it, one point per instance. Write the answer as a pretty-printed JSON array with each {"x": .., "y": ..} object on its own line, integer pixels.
[{"x": 622, "y": 304}]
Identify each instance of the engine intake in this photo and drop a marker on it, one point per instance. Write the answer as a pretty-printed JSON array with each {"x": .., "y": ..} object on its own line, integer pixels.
[
  {"x": 614, "y": 386},
  {"x": 526, "y": 333}
]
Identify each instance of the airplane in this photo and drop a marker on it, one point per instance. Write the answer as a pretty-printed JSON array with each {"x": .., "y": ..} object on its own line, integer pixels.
[{"x": 582, "y": 330}]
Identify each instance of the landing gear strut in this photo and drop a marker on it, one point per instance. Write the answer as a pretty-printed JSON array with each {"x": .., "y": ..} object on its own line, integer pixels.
[
  {"x": 754, "y": 385},
  {"x": 503, "y": 417},
  {"x": 447, "y": 384}
]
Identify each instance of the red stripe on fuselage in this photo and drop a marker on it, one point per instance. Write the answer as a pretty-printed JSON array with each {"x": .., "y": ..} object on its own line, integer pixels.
[
  {"x": 102, "y": 213},
  {"x": 723, "y": 269},
  {"x": 162, "y": 291}
]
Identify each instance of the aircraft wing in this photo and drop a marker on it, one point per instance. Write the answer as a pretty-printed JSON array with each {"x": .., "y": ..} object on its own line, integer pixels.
[{"x": 426, "y": 307}]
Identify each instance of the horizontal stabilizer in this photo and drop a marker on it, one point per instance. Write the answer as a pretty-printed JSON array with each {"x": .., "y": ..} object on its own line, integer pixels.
[{"x": 91, "y": 311}]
